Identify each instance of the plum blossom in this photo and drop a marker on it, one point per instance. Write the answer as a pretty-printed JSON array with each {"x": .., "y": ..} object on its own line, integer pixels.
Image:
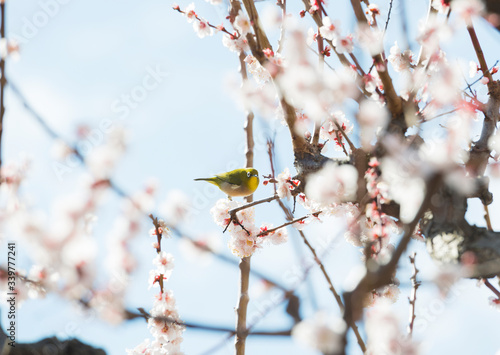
[
  {"x": 330, "y": 132},
  {"x": 258, "y": 97},
  {"x": 243, "y": 245},
  {"x": 372, "y": 82},
  {"x": 484, "y": 80},
  {"x": 280, "y": 236},
  {"x": 176, "y": 207},
  {"x": 494, "y": 302},
  {"x": 214, "y": 2},
  {"x": 494, "y": 143},
  {"x": 371, "y": 39},
  {"x": 312, "y": 36},
  {"x": 242, "y": 23},
  {"x": 190, "y": 13},
  {"x": 431, "y": 33},
  {"x": 259, "y": 73},
  {"x": 446, "y": 277},
  {"x": 286, "y": 184},
  {"x": 384, "y": 333},
  {"x": 321, "y": 332},
  {"x": 102, "y": 160},
  {"x": 372, "y": 12},
  {"x": 344, "y": 44},
  {"x": 235, "y": 44},
  {"x": 333, "y": 184},
  {"x": 276, "y": 237},
  {"x": 442, "y": 6},
  {"x": 473, "y": 69},
  {"x": 164, "y": 325},
  {"x": 220, "y": 212},
  {"x": 164, "y": 263},
  {"x": 202, "y": 28},
  {"x": 468, "y": 8},
  {"x": 400, "y": 61},
  {"x": 9, "y": 47},
  {"x": 329, "y": 30},
  {"x": 371, "y": 117},
  {"x": 405, "y": 186},
  {"x": 244, "y": 241}
]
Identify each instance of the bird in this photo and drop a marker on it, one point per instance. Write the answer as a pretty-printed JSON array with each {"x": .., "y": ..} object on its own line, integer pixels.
[{"x": 235, "y": 183}]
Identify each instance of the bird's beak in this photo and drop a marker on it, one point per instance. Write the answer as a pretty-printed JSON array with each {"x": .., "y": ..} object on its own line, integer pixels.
[{"x": 256, "y": 175}]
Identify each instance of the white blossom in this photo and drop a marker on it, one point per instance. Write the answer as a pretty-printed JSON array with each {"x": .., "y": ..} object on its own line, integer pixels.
[
  {"x": 321, "y": 332},
  {"x": 333, "y": 184},
  {"x": 384, "y": 332},
  {"x": 242, "y": 23},
  {"x": 236, "y": 45},
  {"x": 329, "y": 30},
  {"x": 202, "y": 28}
]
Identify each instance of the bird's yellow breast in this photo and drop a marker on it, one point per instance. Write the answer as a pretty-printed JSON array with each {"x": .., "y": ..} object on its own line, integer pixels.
[{"x": 253, "y": 183}]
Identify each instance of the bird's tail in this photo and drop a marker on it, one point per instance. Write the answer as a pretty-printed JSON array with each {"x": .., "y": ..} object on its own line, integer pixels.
[{"x": 210, "y": 180}]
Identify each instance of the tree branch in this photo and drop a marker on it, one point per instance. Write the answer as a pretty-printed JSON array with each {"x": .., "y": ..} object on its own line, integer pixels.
[
  {"x": 380, "y": 275},
  {"x": 244, "y": 266}
]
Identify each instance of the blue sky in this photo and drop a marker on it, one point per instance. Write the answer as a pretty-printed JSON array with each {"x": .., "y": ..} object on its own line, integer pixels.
[{"x": 75, "y": 68}]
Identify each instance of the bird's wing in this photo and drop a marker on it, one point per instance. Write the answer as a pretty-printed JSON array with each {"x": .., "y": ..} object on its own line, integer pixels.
[{"x": 233, "y": 180}]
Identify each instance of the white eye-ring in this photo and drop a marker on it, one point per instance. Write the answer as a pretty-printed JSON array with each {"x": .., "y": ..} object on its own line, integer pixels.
[{"x": 248, "y": 174}]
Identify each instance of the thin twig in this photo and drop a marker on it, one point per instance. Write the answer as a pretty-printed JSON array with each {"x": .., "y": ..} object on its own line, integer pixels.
[
  {"x": 479, "y": 53},
  {"x": 492, "y": 288},
  {"x": 222, "y": 29},
  {"x": 388, "y": 16},
  {"x": 487, "y": 218},
  {"x": 413, "y": 297},
  {"x": 335, "y": 294},
  {"x": 159, "y": 234},
  {"x": 252, "y": 204},
  {"x": 482, "y": 76},
  {"x": 272, "y": 230}
]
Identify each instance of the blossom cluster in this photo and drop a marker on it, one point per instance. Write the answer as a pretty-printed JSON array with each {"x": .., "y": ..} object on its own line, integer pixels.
[
  {"x": 164, "y": 324},
  {"x": 384, "y": 333},
  {"x": 246, "y": 237}
]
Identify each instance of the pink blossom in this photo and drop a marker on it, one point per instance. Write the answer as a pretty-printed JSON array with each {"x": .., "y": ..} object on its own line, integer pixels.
[
  {"x": 468, "y": 8},
  {"x": 189, "y": 13},
  {"x": 286, "y": 184},
  {"x": 235, "y": 44},
  {"x": 344, "y": 44},
  {"x": 202, "y": 28},
  {"x": 242, "y": 23}
]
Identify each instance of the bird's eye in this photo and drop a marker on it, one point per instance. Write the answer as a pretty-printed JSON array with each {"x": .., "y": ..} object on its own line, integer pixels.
[{"x": 248, "y": 174}]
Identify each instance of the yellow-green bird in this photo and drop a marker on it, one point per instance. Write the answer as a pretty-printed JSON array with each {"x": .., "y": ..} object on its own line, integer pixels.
[{"x": 239, "y": 182}]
